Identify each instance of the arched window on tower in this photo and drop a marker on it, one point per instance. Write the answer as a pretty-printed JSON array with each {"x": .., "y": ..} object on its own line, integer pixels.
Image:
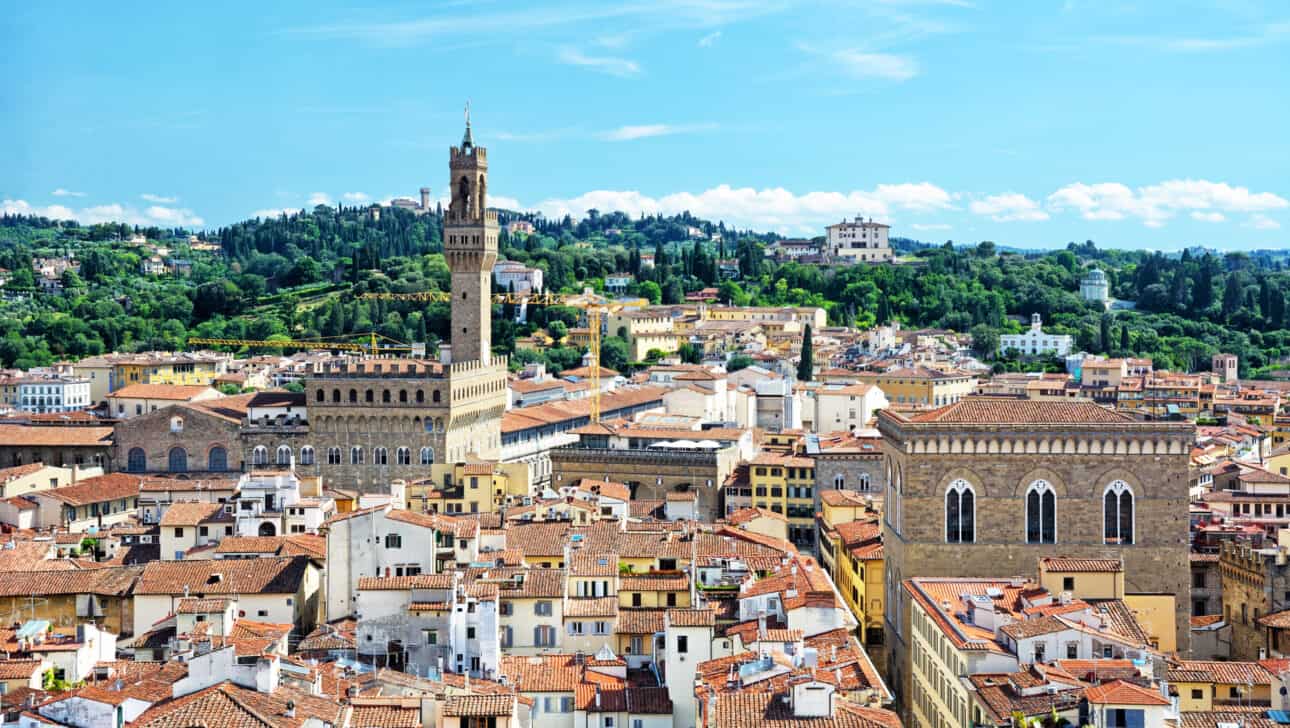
[
  {"x": 960, "y": 512},
  {"x": 284, "y": 455},
  {"x": 1041, "y": 513},
  {"x": 260, "y": 455},
  {"x": 306, "y": 455},
  {"x": 427, "y": 456},
  {"x": 1117, "y": 513},
  {"x": 403, "y": 456}
]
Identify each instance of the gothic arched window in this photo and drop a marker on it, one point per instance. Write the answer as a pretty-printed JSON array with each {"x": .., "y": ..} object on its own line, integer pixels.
[
  {"x": 403, "y": 456},
  {"x": 284, "y": 455},
  {"x": 1117, "y": 513},
  {"x": 1041, "y": 513},
  {"x": 960, "y": 512},
  {"x": 260, "y": 455},
  {"x": 427, "y": 456},
  {"x": 306, "y": 455}
]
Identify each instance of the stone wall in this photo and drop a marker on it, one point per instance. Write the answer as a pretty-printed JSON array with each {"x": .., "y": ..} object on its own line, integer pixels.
[
  {"x": 200, "y": 433},
  {"x": 650, "y": 475}
]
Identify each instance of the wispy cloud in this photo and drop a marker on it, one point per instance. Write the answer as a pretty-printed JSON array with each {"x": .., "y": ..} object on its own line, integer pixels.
[
  {"x": 158, "y": 199},
  {"x": 63, "y": 192},
  {"x": 153, "y": 215},
  {"x": 1008, "y": 207},
  {"x": 1261, "y": 222},
  {"x": 861, "y": 64},
  {"x": 356, "y": 197},
  {"x": 319, "y": 198},
  {"x": 612, "y": 65},
  {"x": 930, "y": 226},
  {"x": 708, "y": 40},
  {"x": 1156, "y": 204},
  {"x": 644, "y": 131},
  {"x": 1259, "y": 36}
]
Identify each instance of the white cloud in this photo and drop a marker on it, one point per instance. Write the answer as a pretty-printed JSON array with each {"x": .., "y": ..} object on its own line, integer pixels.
[
  {"x": 612, "y": 65},
  {"x": 1208, "y": 216},
  {"x": 928, "y": 226},
  {"x": 356, "y": 197},
  {"x": 158, "y": 199},
  {"x": 644, "y": 131},
  {"x": 319, "y": 198},
  {"x": 859, "y": 64},
  {"x": 1008, "y": 207},
  {"x": 115, "y": 212},
  {"x": 63, "y": 192},
  {"x": 707, "y": 40},
  {"x": 770, "y": 208},
  {"x": 1261, "y": 222},
  {"x": 1155, "y": 204}
]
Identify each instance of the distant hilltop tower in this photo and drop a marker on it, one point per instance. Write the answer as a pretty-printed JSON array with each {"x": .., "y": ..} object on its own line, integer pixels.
[
  {"x": 425, "y": 198},
  {"x": 1095, "y": 287},
  {"x": 470, "y": 245}
]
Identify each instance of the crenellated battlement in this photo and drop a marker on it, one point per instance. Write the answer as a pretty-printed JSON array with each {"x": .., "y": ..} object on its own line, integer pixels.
[
  {"x": 474, "y": 367},
  {"x": 468, "y": 157}
]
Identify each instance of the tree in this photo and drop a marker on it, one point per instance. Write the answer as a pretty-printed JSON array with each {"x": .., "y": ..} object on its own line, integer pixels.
[
  {"x": 985, "y": 340},
  {"x": 1104, "y": 333},
  {"x": 615, "y": 354},
  {"x": 650, "y": 291},
  {"x": 673, "y": 293},
  {"x": 737, "y": 362},
  {"x": 806, "y": 365},
  {"x": 1124, "y": 338},
  {"x": 558, "y": 330},
  {"x": 689, "y": 353}
]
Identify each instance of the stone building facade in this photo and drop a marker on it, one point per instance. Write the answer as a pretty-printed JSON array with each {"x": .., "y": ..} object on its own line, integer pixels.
[
  {"x": 179, "y": 439},
  {"x": 376, "y": 420},
  {"x": 985, "y": 487},
  {"x": 854, "y": 463},
  {"x": 650, "y": 473},
  {"x": 1255, "y": 583}
]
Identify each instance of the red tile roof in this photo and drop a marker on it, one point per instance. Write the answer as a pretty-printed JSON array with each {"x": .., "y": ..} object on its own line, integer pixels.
[
  {"x": 1064, "y": 563},
  {"x": 1119, "y": 692},
  {"x": 224, "y": 576},
  {"x": 176, "y": 392},
  {"x": 113, "y": 486},
  {"x": 989, "y": 410},
  {"x": 55, "y": 436}
]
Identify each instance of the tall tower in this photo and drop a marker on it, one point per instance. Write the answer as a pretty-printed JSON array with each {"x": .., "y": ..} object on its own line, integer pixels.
[{"x": 470, "y": 245}]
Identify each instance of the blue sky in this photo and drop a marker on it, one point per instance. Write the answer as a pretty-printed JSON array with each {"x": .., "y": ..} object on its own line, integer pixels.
[{"x": 1134, "y": 124}]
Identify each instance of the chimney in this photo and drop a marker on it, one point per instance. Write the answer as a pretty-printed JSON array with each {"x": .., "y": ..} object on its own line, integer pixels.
[
  {"x": 761, "y": 624},
  {"x": 597, "y": 696}
]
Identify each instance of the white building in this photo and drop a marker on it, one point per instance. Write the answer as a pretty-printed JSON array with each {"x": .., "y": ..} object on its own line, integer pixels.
[
  {"x": 1094, "y": 287},
  {"x": 515, "y": 276},
  {"x": 862, "y": 241},
  {"x": 847, "y": 407},
  {"x": 1035, "y": 342},
  {"x": 618, "y": 282},
  {"x": 64, "y": 394},
  {"x": 269, "y": 504}
]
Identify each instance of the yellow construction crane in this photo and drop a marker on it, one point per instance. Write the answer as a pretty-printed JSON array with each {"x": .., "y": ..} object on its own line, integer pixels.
[
  {"x": 594, "y": 306},
  {"x": 372, "y": 345}
]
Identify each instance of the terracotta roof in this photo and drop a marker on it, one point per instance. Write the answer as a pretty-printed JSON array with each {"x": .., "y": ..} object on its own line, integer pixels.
[
  {"x": 193, "y": 605},
  {"x": 544, "y": 415},
  {"x": 95, "y": 490},
  {"x": 398, "y": 583},
  {"x": 479, "y": 705},
  {"x": 19, "y": 471},
  {"x": 691, "y": 618},
  {"x": 582, "y": 563},
  {"x": 591, "y": 607},
  {"x": 606, "y": 488},
  {"x": 767, "y": 710},
  {"x": 18, "y": 669},
  {"x": 110, "y": 581},
  {"x": 385, "y": 712},
  {"x": 1276, "y": 620},
  {"x": 191, "y": 513},
  {"x": 835, "y": 497},
  {"x": 1223, "y": 673},
  {"x": 541, "y": 673},
  {"x": 177, "y": 392},
  {"x": 989, "y": 410},
  {"x": 1064, "y": 563},
  {"x": 227, "y": 704},
  {"x": 1119, "y": 692},
  {"x": 55, "y": 436},
  {"x": 639, "y": 621},
  {"x": 224, "y": 576},
  {"x": 1206, "y": 620}
]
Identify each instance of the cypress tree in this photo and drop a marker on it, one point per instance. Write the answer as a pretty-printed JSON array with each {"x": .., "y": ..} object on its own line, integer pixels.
[
  {"x": 806, "y": 367},
  {"x": 1124, "y": 338}
]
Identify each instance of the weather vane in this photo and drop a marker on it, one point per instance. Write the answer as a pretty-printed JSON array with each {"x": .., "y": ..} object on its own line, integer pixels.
[{"x": 467, "y": 112}]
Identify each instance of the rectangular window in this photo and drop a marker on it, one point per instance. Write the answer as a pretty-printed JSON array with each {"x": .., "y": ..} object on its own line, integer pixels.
[
  {"x": 682, "y": 644},
  {"x": 1068, "y": 583},
  {"x": 179, "y": 533}
]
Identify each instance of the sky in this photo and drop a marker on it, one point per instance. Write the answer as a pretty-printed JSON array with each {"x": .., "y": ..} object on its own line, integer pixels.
[{"x": 1134, "y": 124}]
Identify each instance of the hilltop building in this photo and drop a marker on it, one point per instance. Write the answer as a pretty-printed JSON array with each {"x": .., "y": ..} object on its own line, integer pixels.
[
  {"x": 863, "y": 241},
  {"x": 1095, "y": 288},
  {"x": 1035, "y": 342}
]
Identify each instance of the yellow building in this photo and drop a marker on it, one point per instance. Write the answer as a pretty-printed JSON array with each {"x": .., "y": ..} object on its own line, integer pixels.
[
  {"x": 909, "y": 387},
  {"x": 786, "y": 484},
  {"x": 179, "y": 369},
  {"x": 658, "y": 589},
  {"x": 1095, "y": 580},
  {"x": 850, "y": 534},
  {"x": 643, "y": 330},
  {"x": 467, "y": 487},
  {"x": 1204, "y": 686}
]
